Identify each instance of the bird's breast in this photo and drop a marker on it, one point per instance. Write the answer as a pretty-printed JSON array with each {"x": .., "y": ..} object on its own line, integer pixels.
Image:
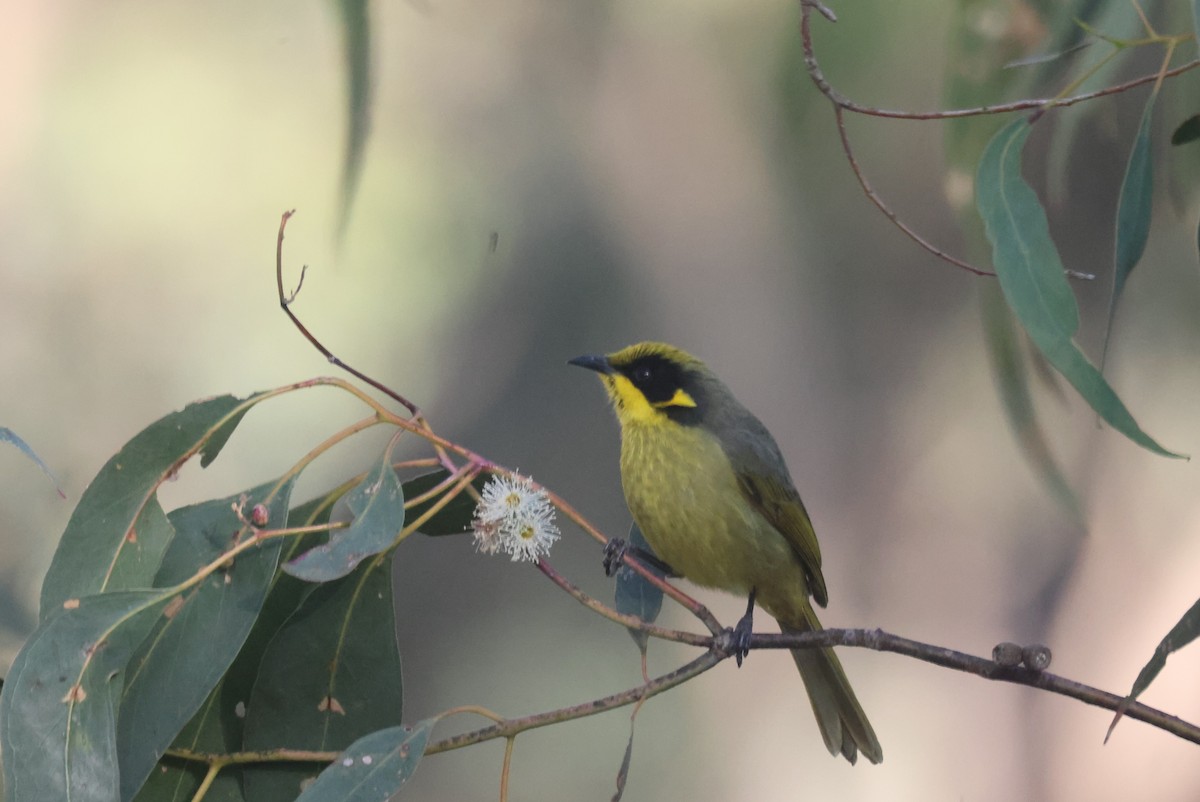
[{"x": 683, "y": 494}]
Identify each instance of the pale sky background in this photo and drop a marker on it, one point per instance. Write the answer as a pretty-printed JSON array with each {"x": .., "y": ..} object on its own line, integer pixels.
[{"x": 653, "y": 170}]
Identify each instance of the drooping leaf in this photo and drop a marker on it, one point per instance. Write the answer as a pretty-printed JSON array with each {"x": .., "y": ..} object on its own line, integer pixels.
[
  {"x": 9, "y": 436},
  {"x": 633, "y": 594},
  {"x": 1009, "y": 366},
  {"x": 103, "y": 531},
  {"x": 378, "y": 507},
  {"x": 452, "y": 519},
  {"x": 1188, "y": 131},
  {"x": 974, "y": 77},
  {"x": 190, "y": 649},
  {"x": 355, "y": 22},
  {"x": 1031, "y": 276},
  {"x": 330, "y": 676},
  {"x": 375, "y": 766},
  {"x": 58, "y": 707},
  {"x": 1183, "y": 633},
  {"x": 1133, "y": 215}
]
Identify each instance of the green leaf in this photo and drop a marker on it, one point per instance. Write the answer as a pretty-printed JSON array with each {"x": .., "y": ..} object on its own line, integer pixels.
[
  {"x": 58, "y": 707},
  {"x": 1133, "y": 214},
  {"x": 633, "y": 594},
  {"x": 453, "y": 519},
  {"x": 1031, "y": 276},
  {"x": 213, "y": 729},
  {"x": 1188, "y": 131},
  {"x": 189, "y": 650},
  {"x": 330, "y": 676},
  {"x": 217, "y": 727},
  {"x": 355, "y": 23},
  {"x": 9, "y": 436},
  {"x": 105, "y": 531},
  {"x": 375, "y": 767},
  {"x": 1180, "y": 635},
  {"x": 378, "y": 507},
  {"x": 1009, "y": 365}
]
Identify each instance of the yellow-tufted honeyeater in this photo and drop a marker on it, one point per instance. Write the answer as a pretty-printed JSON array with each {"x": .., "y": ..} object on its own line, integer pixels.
[{"x": 710, "y": 490}]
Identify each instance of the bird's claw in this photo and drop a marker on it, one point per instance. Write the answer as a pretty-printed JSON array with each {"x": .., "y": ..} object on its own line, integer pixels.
[
  {"x": 739, "y": 636},
  {"x": 739, "y": 640},
  {"x": 614, "y": 555}
]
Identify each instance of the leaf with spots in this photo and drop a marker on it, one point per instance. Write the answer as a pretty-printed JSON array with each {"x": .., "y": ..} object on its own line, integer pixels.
[
  {"x": 217, "y": 727},
  {"x": 190, "y": 650},
  {"x": 58, "y": 709},
  {"x": 329, "y": 676},
  {"x": 114, "y": 539},
  {"x": 373, "y": 768}
]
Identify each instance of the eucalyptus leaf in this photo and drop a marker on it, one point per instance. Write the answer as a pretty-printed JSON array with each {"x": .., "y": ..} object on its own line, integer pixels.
[
  {"x": 634, "y": 595},
  {"x": 354, "y": 20},
  {"x": 1031, "y": 275},
  {"x": 1133, "y": 214},
  {"x": 329, "y": 676},
  {"x": 1187, "y": 131},
  {"x": 374, "y": 767},
  {"x": 378, "y": 507},
  {"x": 1009, "y": 365},
  {"x": 58, "y": 708},
  {"x": 1183, "y": 633},
  {"x": 190, "y": 650},
  {"x": 105, "y": 546},
  {"x": 9, "y": 436},
  {"x": 217, "y": 727}
]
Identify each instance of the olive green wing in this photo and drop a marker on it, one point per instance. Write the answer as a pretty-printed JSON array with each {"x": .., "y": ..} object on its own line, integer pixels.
[{"x": 779, "y": 503}]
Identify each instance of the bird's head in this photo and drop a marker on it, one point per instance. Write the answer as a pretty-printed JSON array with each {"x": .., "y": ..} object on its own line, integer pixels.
[{"x": 654, "y": 383}]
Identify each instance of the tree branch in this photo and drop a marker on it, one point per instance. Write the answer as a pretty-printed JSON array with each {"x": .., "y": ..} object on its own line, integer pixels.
[{"x": 881, "y": 641}]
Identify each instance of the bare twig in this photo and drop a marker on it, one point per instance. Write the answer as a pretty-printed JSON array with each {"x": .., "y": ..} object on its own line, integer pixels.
[
  {"x": 842, "y": 104},
  {"x": 285, "y": 302}
]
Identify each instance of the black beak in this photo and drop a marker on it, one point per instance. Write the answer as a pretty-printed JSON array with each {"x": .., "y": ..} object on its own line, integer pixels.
[{"x": 592, "y": 362}]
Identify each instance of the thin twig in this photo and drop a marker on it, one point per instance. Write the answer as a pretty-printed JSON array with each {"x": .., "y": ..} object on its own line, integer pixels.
[
  {"x": 631, "y": 621},
  {"x": 842, "y": 104},
  {"x": 840, "y": 117},
  {"x": 1028, "y": 104},
  {"x": 285, "y": 302}
]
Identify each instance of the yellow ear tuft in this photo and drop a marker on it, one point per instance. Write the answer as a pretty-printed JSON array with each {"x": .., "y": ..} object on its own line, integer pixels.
[{"x": 680, "y": 399}]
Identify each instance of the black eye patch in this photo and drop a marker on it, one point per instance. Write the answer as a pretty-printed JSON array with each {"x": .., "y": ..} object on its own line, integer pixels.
[{"x": 657, "y": 378}]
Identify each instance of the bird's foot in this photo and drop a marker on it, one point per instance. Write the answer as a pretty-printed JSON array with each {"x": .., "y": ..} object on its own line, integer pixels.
[
  {"x": 739, "y": 636},
  {"x": 614, "y": 555},
  {"x": 617, "y": 549}
]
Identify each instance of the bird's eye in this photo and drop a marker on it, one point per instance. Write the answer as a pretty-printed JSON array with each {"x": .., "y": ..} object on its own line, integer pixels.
[{"x": 642, "y": 374}]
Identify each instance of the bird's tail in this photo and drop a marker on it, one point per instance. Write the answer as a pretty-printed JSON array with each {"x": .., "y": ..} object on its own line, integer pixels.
[{"x": 843, "y": 723}]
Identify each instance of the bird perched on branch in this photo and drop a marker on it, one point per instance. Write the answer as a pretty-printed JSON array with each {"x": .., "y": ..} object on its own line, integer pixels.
[{"x": 709, "y": 489}]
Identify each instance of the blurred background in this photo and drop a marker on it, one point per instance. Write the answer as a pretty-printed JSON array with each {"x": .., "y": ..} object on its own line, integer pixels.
[{"x": 652, "y": 170}]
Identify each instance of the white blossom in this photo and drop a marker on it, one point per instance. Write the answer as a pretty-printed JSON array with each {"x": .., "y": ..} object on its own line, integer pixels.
[{"x": 515, "y": 517}]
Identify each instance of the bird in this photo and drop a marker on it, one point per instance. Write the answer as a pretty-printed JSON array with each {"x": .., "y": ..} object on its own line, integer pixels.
[{"x": 709, "y": 488}]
